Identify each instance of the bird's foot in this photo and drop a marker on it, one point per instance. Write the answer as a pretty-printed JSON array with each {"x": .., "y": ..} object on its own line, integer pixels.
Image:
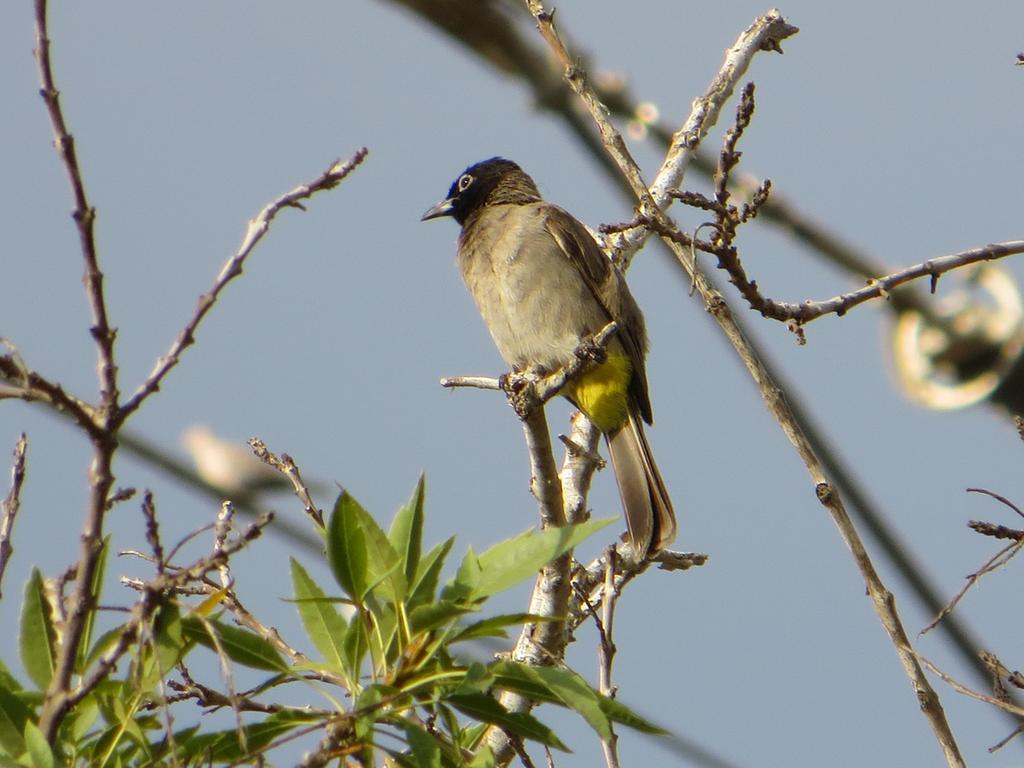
[{"x": 520, "y": 389}]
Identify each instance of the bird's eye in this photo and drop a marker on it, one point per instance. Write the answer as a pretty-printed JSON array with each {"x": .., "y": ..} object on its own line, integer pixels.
[{"x": 464, "y": 181}]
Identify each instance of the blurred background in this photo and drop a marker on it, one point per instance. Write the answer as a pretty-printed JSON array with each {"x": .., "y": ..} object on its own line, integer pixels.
[{"x": 896, "y": 128}]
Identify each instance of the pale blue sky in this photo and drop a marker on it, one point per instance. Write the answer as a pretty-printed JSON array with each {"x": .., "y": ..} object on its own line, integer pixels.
[{"x": 898, "y": 126}]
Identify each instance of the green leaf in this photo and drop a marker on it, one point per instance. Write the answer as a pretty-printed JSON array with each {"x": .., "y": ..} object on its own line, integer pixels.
[
  {"x": 514, "y": 560},
  {"x": 224, "y": 747},
  {"x": 406, "y": 534},
  {"x": 429, "y": 617},
  {"x": 14, "y": 713},
  {"x": 488, "y": 710},
  {"x": 360, "y": 554},
  {"x": 448, "y": 720},
  {"x": 7, "y": 680},
  {"x": 38, "y": 748},
  {"x": 324, "y": 624},
  {"x": 467, "y": 579},
  {"x": 346, "y": 548},
  {"x": 520, "y": 678},
  {"x": 568, "y": 689},
  {"x": 425, "y": 749},
  {"x": 355, "y": 646},
  {"x": 577, "y": 694},
  {"x": 424, "y": 586},
  {"x": 367, "y": 709},
  {"x": 483, "y": 758},
  {"x": 104, "y": 643},
  {"x": 37, "y": 634},
  {"x": 241, "y": 646},
  {"x": 495, "y": 626},
  {"x": 96, "y": 588},
  {"x": 478, "y": 679},
  {"x": 169, "y": 634},
  {"x": 83, "y": 717},
  {"x": 620, "y": 713},
  {"x": 384, "y": 565}
]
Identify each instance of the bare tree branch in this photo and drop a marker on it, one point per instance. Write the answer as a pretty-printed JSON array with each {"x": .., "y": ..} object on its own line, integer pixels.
[
  {"x": 165, "y": 584},
  {"x": 85, "y": 217},
  {"x": 286, "y": 465},
  {"x": 102, "y": 427},
  {"x": 491, "y": 31},
  {"x": 774, "y": 399},
  {"x": 880, "y": 287},
  {"x": 258, "y": 227},
  {"x": 956, "y": 685},
  {"x": 104, "y": 421},
  {"x": 10, "y": 506},
  {"x": 606, "y": 652},
  {"x": 765, "y": 34},
  {"x": 998, "y": 560}
]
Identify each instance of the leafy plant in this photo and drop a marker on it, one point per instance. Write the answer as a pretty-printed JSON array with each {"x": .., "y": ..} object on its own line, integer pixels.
[{"x": 388, "y": 671}]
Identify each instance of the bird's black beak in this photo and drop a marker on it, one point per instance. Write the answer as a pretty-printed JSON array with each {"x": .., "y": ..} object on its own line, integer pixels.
[{"x": 444, "y": 208}]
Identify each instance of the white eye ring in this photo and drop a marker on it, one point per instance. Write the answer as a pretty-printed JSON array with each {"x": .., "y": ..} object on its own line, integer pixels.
[{"x": 464, "y": 181}]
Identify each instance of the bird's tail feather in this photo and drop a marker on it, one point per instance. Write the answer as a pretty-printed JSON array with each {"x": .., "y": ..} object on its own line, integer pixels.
[{"x": 649, "y": 515}]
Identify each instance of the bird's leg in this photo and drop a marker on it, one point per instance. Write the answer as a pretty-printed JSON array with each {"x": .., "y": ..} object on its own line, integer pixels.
[{"x": 591, "y": 350}]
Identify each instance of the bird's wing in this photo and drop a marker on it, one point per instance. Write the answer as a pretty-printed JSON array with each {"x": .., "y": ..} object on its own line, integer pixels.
[{"x": 610, "y": 290}]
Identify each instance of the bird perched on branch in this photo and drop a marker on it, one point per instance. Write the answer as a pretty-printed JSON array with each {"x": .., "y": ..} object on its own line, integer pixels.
[{"x": 543, "y": 286}]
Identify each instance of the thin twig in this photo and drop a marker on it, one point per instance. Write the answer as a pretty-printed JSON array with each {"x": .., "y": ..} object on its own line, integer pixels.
[
  {"x": 589, "y": 580},
  {"x": 221, "y": 529},
  {"x": 170, "y": 583},
  {"x": 998, "y": 560},
  {"x": 995, "y": 530},
  {"x": 10, "y": 506},
  {"x": 526, "y": 391},
  {"x": 244, "y": 501},
  {"x": 1001, "y": 499},
  {"x": 882, "y": 599},
  {"x": 84, "y": 215},
  {"x": 474, "y": 382},
  {"x": 959, "y": 687},
  {"x": 257, "y": 228},
  {"x": 153, "y": 532},
  {"x": 286, "y": 465},
  {"x": 881, "y": 287},
  {"x": 606, "y": 653},
  {"x": 30, "y": 386},
  {"x": 765, "y": 34}
]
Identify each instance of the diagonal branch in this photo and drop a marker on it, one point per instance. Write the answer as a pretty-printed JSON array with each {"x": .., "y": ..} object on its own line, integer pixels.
[
  {"x": 765, "y": 34},
  {"x": 258, "y": 227},
  {"x": 882, "y": 599}
]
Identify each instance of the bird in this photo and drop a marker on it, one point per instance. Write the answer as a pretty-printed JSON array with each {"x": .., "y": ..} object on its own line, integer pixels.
[
  {"x": 227, "y": 466},
  {"x": 543, "y": 286}
]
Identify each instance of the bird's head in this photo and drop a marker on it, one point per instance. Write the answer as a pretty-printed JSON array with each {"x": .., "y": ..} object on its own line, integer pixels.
[{"x": 489, "y": 182}]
